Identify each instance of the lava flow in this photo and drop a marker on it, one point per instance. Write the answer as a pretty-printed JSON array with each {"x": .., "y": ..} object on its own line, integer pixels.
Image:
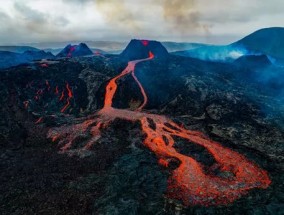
[
  {"x": 112, "y": 86},
  {"x": 39, "y": 120},
  {"x": 71, "y": 49},
  {"x": 70, "y": 95},
  {"x": 189, "y": 182},
  {"x": 56, "y": 90}
]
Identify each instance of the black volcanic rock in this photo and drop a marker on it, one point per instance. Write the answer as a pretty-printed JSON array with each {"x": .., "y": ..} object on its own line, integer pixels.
[
  {"x": 139, "y": 49},
  {"x": 253, "y": 61},
  {"x": 75, "y": 51}
]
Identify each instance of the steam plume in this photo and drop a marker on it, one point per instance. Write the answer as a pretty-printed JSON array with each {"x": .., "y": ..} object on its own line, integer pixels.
[
  {"x": 117, "y": 13},
  {"x": 183, "y": 16}
]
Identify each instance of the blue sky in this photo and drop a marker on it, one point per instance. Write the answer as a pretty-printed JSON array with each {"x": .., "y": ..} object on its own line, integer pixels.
[{"x": 207, "y": 21}]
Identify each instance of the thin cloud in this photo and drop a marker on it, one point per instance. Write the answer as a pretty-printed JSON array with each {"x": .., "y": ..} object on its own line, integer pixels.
[
  {"x": 178, "y": 20},
  {"x": 118, "y": 14}
]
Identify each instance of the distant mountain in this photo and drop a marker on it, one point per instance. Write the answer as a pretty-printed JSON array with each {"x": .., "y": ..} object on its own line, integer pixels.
[
  {"x": 269, "y": 41},
  {"x": 18, "y": 49},
  {"x": 139, "y": 49},
  {"x": 38, "y": 55},
  {"x": 9, "y": 59},
  {"x": 54, "y": 51},
  {"x": 75, "y": 51},
  {"x": 176, "y": 46},
  {"x": 103, "y": 45},
  {"x": 112, "y": 47}
]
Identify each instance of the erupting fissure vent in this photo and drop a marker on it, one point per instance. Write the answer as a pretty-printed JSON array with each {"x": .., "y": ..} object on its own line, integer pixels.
[{"x": 188, "y": 182}]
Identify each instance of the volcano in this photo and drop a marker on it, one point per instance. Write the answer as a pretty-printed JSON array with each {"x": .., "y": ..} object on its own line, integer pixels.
[
  {"x": 75, "y": 51},
  {"x": 268, "y": 41},
  {"x": 139, "y": 49}
]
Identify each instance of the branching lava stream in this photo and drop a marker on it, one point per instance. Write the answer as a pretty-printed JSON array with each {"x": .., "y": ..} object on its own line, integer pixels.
[{"x": 188, "y": 182}]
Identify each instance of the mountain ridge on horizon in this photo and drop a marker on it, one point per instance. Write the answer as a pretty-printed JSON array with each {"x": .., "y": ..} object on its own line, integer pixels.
[
  {"x": 248, "y": 45},
  {"x": 116, "y": 46},
  {"x": 269, "y": 38}
]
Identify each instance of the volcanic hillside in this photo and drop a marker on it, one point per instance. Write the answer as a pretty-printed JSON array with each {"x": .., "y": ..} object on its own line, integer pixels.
[
  {"x": 75, "y": 51},
  {"x": 268, "y": 41},
  {"x": 139, "y": 49}
]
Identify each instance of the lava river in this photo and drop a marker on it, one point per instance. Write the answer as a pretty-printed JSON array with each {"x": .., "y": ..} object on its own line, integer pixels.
[{"x": 189, "y": 182}]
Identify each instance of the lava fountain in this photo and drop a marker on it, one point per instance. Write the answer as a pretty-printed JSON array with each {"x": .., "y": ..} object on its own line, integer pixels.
[{"x": 189, "y": 182}]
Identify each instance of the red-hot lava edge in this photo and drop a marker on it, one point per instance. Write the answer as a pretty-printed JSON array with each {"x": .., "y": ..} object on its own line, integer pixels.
[{"x": 188, "y": 182}]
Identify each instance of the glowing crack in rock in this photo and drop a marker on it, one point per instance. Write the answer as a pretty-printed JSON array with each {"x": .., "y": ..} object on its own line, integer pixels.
[
  {"x": 99, "y": 54},
  {"x": 62, "y": 96},
  {"x": 71, "y": 50},
  {"x": 145, "y": 42},
  {"x": 189, "y": 182},
  {"x": 48, "y": 91},
  {"x": 56, "y": 92},
  {"x": 47, "y": 85},
  {"x": 70, "y": 96},
  {"x": 44, "y": 65},
  {"x": 40, "y": 120},
  {"x": 26, "y": 104}
]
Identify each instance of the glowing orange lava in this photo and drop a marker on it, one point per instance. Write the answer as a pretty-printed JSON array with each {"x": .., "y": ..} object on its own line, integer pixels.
[
  {"x": 56, "y": 90},
  {"x": 65, "y": 97},
  {"x": 39, "y": 120},
  {"x": 26, "y": 104},
  {"x": 71, "y": 50},
  {"x": 47, "y": 84},
  {"x": 70, "y": 96},
  {"x": 188, "y": 182},
  {"x": 62, "y": 96},
  {"x": 44, "y": 65},
  {"x": 112, "y": 86},
  {"x": 65, "y": 106},
  {"x": 145, "y": 42}
]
